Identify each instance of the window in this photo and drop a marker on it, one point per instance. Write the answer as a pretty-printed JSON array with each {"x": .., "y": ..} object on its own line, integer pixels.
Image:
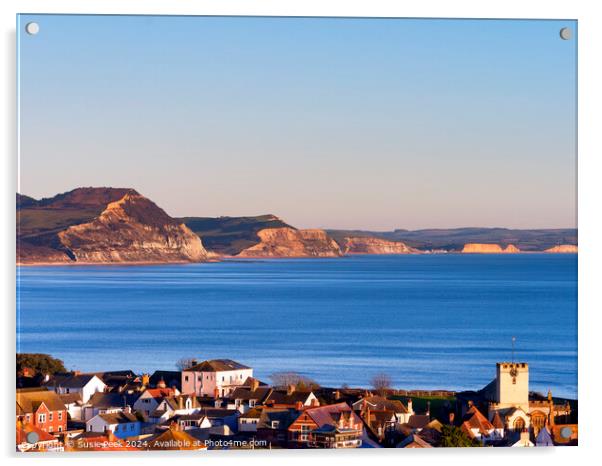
[
  {"x": 60, "y": 415},
  {"x": 131, "y": 426},
  {"x": 185, "y": 378},
  {"x": 252, "y": 403},
  {"x": 275, "y": 424},
  {"x": 60, "y": 428},
  {"x": 41, "y": 418},
  {"x": 50, "y": 417},
  {"x": 519, "y": 424}
]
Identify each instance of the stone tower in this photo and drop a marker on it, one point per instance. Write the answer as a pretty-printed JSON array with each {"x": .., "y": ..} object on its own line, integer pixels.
[{"x": 512, "y": 385}]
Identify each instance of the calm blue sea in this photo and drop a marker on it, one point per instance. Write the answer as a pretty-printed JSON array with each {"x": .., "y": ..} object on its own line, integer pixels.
[{"x": 430, "y": 321}]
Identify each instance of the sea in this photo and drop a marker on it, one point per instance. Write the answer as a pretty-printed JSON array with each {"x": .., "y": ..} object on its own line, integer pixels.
[{"x": 438, "y": 321}]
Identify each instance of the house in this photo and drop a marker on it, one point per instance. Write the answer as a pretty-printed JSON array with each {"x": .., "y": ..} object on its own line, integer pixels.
[
  {"x": 150, "y": 399},
  {"x": 273, "y": 424},
  {"x": 121, "y": 424},
  {"x": 216, "y": 377},
  {"x": 74, "y": 405},
  {"x": 248, "y": 421},
  {"x": 174, "y": 405},
  {"x": 478, "y": 427},
  {"x": 118, "y": 380},
  {"x": 290, "y": 397},
  {"x": 246, "y": 397},
  {"x": 329, "y": 426},
  {"x": 84, "y": 384},
  {"x": 111, "y": 402},
  {"x": 32, "y": 438},
  {"x": 41, "y": 408},
  {"x": 221, "y": 417},
  {"x": 379, "y": 423},
  {"x": 191, "y": 421},
  {"x": 379, "y": 403}
]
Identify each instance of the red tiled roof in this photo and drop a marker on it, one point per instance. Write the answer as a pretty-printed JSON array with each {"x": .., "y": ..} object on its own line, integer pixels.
[{"x": 474, "y": 419}]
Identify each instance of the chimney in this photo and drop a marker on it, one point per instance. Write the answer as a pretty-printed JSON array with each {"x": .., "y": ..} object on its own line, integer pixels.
[
  {"x": 290, "y": 389},
  {"x": 410, "y": 406},
  {"x": 254, "y": 384},
  {"x": 298, "y": 406},
  {"x": 77, "y": 373},
  {"x": 315, "y": 402},
  {"x": 428, "y": 409},
  {"x": 337, "y": 395},
  {"x": 193, "y": 362},
  {"x": 145, "y": 380},
  {"x": 180, "y": 402}
]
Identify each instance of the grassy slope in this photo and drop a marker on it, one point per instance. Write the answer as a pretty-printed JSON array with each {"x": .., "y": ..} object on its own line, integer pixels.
[{"x": 230, "y": 235}]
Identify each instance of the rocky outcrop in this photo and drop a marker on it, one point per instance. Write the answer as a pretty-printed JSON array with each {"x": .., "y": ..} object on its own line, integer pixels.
[
  {"x": 372, "y": 245},
  {"x": 481, "y": 248},
  {"x": 133, "y": 229},
  {"x": 289, "y": 242},
  {"x": 102, "y": 225},
  {"x": 563, "y": 248}
]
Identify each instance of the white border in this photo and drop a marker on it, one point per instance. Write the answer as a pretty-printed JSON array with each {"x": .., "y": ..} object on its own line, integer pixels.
[{"x": 590, "y": 225}]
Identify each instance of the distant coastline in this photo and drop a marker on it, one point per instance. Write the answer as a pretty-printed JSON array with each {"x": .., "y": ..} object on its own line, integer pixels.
[{"x": 111, "y": 226}]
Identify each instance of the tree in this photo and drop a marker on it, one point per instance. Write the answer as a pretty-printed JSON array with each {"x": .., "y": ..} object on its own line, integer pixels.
[
  {"x": 301, "y": 382},
  {"x": 185, "y": 363},
  {"x": 40, "y": 363},
  {"x": 381, "y": 383},
  {"x": 452, "y": 436}
]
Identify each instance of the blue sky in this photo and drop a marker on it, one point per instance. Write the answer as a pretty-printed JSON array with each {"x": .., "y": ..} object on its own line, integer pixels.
[{"x": 335, "y": 123}]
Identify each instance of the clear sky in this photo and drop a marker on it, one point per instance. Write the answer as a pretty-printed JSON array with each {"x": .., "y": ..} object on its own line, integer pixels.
[{"x": 333, "y": 123}]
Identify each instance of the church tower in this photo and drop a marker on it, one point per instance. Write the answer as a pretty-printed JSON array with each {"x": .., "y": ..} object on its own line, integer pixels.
[{"x": 512, "y": 385}]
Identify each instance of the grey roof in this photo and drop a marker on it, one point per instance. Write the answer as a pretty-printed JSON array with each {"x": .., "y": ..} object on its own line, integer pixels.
[
  {"x": 112, "y": 399},
  {"x": 70, "y": 380},
  {"x": 119, "y": 418},
  {"x": 244, "y": 393},
  {"x": 215, "y": 365}
]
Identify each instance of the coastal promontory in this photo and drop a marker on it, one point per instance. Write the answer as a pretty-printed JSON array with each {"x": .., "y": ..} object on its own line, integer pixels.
[
  {"x": 290, "y": 242},
  {"x": 101, "y": 225}
]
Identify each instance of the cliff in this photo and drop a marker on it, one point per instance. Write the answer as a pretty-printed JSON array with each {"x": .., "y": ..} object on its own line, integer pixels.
[
  {"x": 230, "y": 235},
  {"x": 563, "y": 248},
  {"x": 102, "y": 225},
  {"x": 372, "y": 245},
  {"x": 454, "y": 239},
  {"x": 480, "y": 248},
  {"x": 289, "y": 242}
]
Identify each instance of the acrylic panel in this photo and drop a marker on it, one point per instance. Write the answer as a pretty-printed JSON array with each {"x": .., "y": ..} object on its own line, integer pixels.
[{"x": 270, "y": 232}]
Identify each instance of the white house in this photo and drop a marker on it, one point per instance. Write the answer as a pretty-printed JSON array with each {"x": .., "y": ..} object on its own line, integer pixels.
[
  {"x": 151, "y": 398},
  {"x": 248, "y": 421},
  {"x": 84, "y": 384},
  {"x": 174, "y": 406},
  {"x": 216, "y": 377},
  {"x": 121, "y": 424}
]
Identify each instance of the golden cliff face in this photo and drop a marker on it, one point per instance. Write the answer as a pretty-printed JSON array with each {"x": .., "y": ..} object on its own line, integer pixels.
[
  {"x": 132, "y": 229},
  {"x": 480, "y": 248},
  {"x": 371, "y": 245},
  {"x": 563, "y": 248},
  {"x": 288, "y": 242}
]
